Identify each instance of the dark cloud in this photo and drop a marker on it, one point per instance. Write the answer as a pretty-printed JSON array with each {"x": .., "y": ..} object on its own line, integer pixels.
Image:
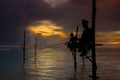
[
  {"x": 17, "y": 15},
  {"x": 108, "y": 15}
]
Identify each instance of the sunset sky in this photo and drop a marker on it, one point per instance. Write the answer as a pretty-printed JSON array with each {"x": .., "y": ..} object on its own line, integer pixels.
[{"x": 53, "y": 20}]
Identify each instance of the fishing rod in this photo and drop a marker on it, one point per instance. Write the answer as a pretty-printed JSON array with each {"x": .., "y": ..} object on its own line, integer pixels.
[{"x": 54, "y": 45}]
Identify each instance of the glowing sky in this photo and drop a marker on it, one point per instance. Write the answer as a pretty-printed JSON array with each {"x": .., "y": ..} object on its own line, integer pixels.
[
  {"x": 47, "y": 28},
  {"x": 112, "y": 37},
  {"x": 57, "y": 18}
]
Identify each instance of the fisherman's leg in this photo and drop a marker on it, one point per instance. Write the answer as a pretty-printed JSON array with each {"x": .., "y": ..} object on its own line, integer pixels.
[{"x": 84, "y": 52}]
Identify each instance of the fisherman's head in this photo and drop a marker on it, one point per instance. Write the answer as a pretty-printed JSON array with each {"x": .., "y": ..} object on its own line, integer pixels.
[
  {"x": 71, "y": 34},
  {"x": 85, "y": 23}
]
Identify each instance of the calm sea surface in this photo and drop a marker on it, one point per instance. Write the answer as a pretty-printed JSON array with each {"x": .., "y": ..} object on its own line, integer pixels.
[{"x": 57, "y": 64}]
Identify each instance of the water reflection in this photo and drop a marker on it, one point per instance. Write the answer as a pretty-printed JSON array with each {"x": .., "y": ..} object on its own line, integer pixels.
[
  {"x": 57, "y": 64},
  {"x": 53, "y": 64},
  {"x": 74, "y": 76},
  {"x": 23, "y": 71}
]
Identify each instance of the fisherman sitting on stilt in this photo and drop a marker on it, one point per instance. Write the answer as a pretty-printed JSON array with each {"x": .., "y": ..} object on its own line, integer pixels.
[
  {"x": 84, "y": 43},
  {"x": 72, "y": 42}
]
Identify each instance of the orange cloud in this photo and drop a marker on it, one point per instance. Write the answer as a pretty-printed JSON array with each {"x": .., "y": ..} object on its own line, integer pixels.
[
  {"x": 47, "y": 28},
  {"x": 112, "y": 37},
  {"x": 113, "y": 42}
]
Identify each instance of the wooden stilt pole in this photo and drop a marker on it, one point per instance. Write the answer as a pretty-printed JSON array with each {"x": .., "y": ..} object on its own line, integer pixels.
[
  {"x": 35, "y": 45},
  {"x": 83, "y": 60},
  {"x": 75, "y": 62},
  {"x": 74, "y": 51},
  {"x": 94, "y": 66},
  {"x": 24, "y": 46}
]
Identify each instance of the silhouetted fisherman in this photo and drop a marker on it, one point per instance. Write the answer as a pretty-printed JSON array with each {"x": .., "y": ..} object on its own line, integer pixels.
[
  {"x": 72, "y": 42},
  {"x": 84, "y": 44}
]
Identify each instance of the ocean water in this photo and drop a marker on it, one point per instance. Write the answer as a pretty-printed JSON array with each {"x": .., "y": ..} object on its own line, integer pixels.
[{"x": 56, "y": 63}]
